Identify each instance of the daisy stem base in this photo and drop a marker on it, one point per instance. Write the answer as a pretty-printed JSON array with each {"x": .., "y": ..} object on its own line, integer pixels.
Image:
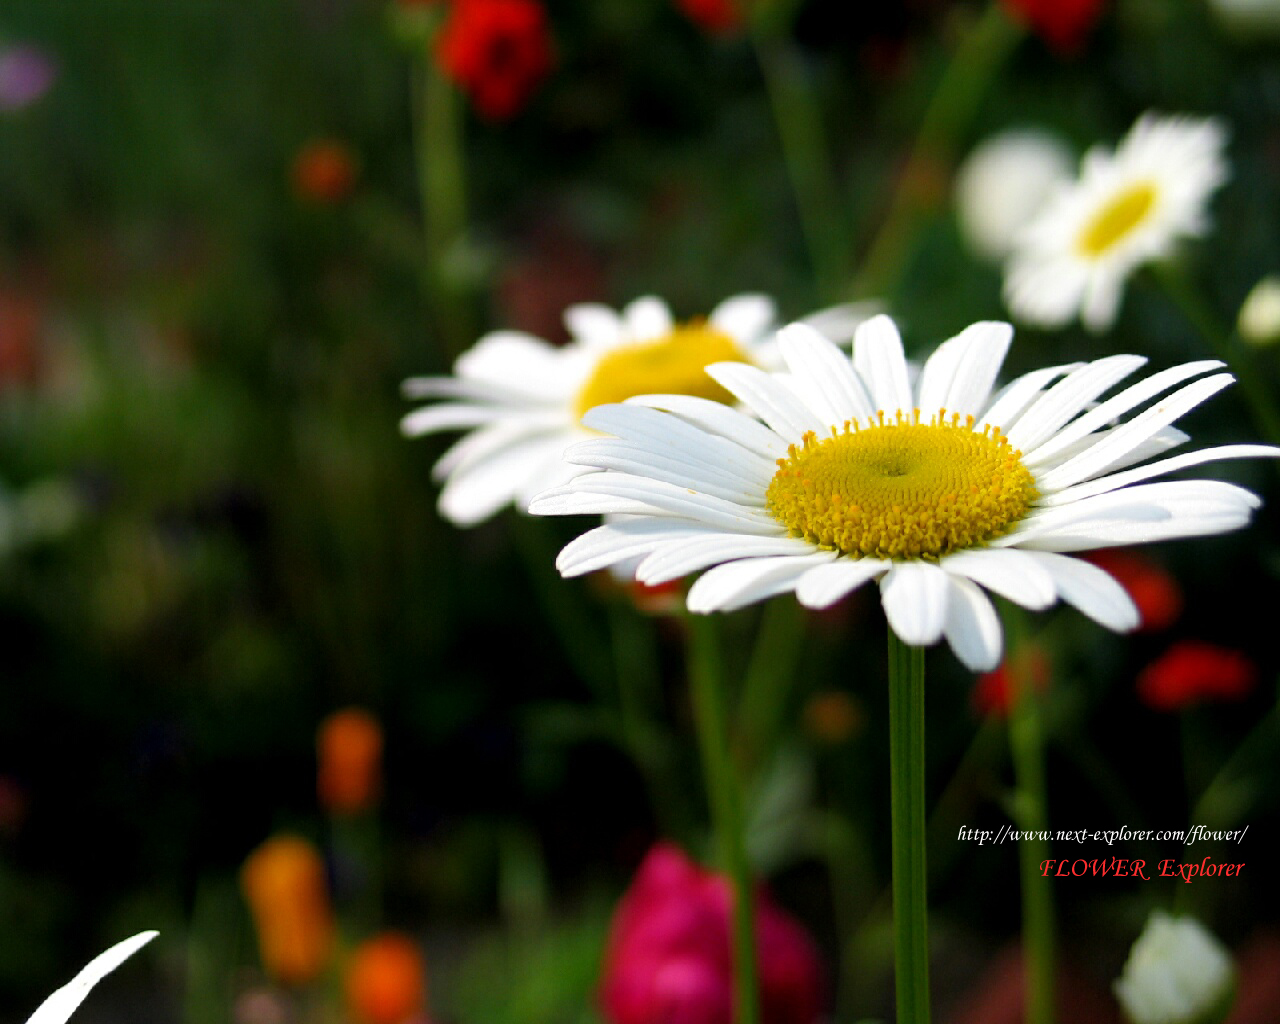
[
  {"x": 1026, "y": 743},
  {"x": 907, "y": 798},
  {"x": 706, "y": 676}
]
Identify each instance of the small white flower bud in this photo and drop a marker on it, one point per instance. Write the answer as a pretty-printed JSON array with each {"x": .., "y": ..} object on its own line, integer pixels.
[
  {"x": 1259, "y": 321},
  {"x": 1177, "y": 973}
]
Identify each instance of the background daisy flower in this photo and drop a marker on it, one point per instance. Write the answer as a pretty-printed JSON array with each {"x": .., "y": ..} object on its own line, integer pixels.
[
  {"x": 936, "y": 488},
  {"x": 522, "y": 399},
  {"x": 1127, "y": 208}
]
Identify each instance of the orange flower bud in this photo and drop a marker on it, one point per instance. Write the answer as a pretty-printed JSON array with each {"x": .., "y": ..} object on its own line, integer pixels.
[
  {"x": 386, "y": 980},
  {"x": 284, "y": 883},
  {"x": 324, "y": 171},
  {"x": 349, "y": 755}
]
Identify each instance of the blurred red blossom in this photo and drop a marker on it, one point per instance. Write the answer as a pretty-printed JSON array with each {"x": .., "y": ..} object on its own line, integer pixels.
[
  {"x": 324, "y": 171},
  {"x": 1189, "y": 672},
  {"x": 497, "y": 51},
  {"x": 669, "y": 959},
  {"x": 716, "y": 16},
  {"x": 1063, "y": 24},
  {"x": 1153, "y": 589},
  {"x": 995, "y": 692}
]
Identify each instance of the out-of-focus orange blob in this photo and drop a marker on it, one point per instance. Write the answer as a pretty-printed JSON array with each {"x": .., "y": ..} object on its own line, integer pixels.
[
  {"x": 285, "y": 886},
  {"x": 386, "y": 980},
  {"x": 324, "y": 171},
  {"x": 349, "y": 761}
]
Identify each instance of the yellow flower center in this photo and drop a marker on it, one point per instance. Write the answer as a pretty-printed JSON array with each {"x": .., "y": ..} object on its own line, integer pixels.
[
  {"x": 902, "y": 489},
  {"x": 1125, "y": 211},
  {"x": 674, "y": 364}
]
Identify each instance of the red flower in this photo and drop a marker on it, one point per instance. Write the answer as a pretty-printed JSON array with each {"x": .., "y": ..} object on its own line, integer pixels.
[
  {"x": 716, "y": 16},
  {"x": 1190, "y": 672},
  {"x": 995, "y": 692},
  {"x": 1154, "y": 591},
  {"x": 669, "y": 959},
  {"x": 497, "y": 51},
  {"x": 1062, "y": 24}
]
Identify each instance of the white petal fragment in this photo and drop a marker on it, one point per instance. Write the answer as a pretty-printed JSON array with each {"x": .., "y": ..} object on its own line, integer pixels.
[
  {"x": 59, "y": 1006},
  {"x": 824, "y": 586},
  {"x": 770, "y": 399},
  {"x": 737, "y": 584},
  {"x": 680, "y": 557},
  {"x": 880, "y": 361},
  {"x": 826, "y": 373},
  {"x": 1068, "y": 398},
  {"x": 615, "y": 542},
  {"x": 1018, "y": 578},
  {"x": 985, "y": 345},
  {"x": 1091, "y": 590},
  {"x": 720, "y": 419},
  {"x": 914, "y": 595},
  {"x": 744, "y": 317},
  {"x": 972, "y": 627}
]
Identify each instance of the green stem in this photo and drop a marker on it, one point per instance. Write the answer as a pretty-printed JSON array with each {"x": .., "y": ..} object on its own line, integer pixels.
[
  {"x": 1026, "y": 743},
  {"x": 706, "y": 676},
  {"x": 907, "y": 789},
  {"x": 978, "y": 57},
  {"x": 806, "y": 155},
  {"x": 438, "y": 150},
  {"x": 769, "y": 679},
  {"x": 1203, "y": 319}
]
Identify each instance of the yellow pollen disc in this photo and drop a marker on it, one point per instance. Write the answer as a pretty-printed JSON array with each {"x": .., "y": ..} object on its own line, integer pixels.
[
  {"x": 902, "y": 489},
  {"x": 674, "y": 364},
  {"x": 1114, "y": 221}
]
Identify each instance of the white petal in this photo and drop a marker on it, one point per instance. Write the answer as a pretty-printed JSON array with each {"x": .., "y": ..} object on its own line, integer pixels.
[
  {"x": 1115, "y": 444},
  {"x": 1102, "y": 299},
  {"x": 59, "y": 1006},
  {"x": 838, "y": 323},
  {"x": 481, "y": 444},
  {"x": 449, "y": 416},
  {"x": 1068, "y": 398},
  {"x": 972, "y": 627},
  {"x": 679, "y": 558},
  {"x": 648, "y": 318},
  {"x": 985, "y": 345},
  {"x": 474, "y": 493},
  {"x": 718, "y": 418},
  {"x": 471, "y": 389},
  {"x": 1116, "y": 406},
  {"x": 744, "y": 317},
  {"x": 737, "y": 584},
  {"x": 937, "y": 374},
  {"x": 837, "y": 392},
  {"x": 827, "y": 584},
  {"x": 681, "y": 466},
  {"x": 769, "y": 398},
  {"x": 881, "y": 363},
  {"x": 1103, "y": 484},
  {"x": 595, "y": 326},
  {"x": 1091, "y": 590},
  {"x": 1013, "y": 399},
  {"x": 517, "y": 360},
  {"x": 675, "y": 502},
  {"x": 658, "y": 431},
  {"x": 616, "y": 542},
  {"x": 914, "y": 595},
  {"x": 1018, "y": 578},
  {"x": 565, "y": 501}
]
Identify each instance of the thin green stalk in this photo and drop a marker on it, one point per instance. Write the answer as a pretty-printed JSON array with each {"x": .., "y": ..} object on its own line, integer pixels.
[
  {"x": 1026, "y": 744},
  {"x": 907, "y": 799},
  {"x": 1193, "y": 306},
  {"x": 807, "y": 157},
  {"x": 973, "y": 66},
  {"x": 770, "y": 679},
  {"x": 438, "y": 151},
  {"x": 706, "y": 676}
]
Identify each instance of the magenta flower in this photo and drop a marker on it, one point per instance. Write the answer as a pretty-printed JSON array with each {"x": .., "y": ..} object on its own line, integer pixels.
[
  {"x": 26, "y": 74},
  {"x": 669, "y": 960}
]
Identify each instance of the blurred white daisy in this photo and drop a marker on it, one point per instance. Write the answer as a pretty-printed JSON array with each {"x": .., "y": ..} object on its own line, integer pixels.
[
  {"x": 59, "y": 1006},
  {"x": 935, "y": 488},
  {"x": 1127, "y": 208},
  {"x": 1177, "y": 973},
  {"x": 1003, "y": 182},
  {"x": 521, "y": 399}
]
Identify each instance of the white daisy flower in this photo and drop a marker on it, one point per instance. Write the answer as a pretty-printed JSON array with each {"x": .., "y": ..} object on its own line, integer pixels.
[
  {"x": 936, "y": 488},
  {"x": 521, "y": 399},
  {"x": 1177, "y": 973},
  {"x": 59, "y": 1006},
  {"x": 1004, "y": 182},
  {"x": 1127, "y": 208}
]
